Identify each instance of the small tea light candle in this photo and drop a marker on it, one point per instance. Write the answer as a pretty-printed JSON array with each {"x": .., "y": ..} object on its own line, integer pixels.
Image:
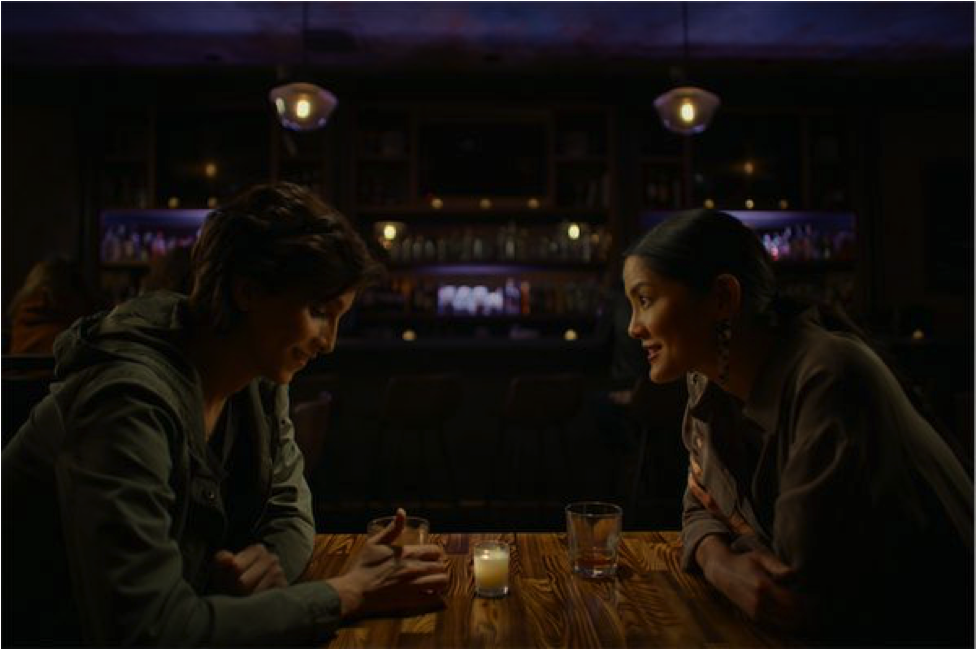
[{"x": 491, "y": 569}]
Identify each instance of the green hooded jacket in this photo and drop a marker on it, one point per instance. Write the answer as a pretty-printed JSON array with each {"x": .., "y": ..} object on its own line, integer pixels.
[{"x": 113, "y": 510}]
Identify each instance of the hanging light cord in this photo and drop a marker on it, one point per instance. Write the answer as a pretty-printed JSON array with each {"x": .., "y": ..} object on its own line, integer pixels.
[
  {"x": 685, "y": 33},
  {"x": 305, "y": 28}
]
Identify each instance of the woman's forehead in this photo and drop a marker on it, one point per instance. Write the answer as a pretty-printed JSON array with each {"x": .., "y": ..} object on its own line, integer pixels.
[{"x": 636, "y": 271}]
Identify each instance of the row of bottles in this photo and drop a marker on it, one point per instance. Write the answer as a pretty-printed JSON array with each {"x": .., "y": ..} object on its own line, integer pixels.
[
  {"x": 123, "y": 243},
  {"x": 125, "y": 187},
  {"x": 568, "y": 242},
  {"x": 513, "y": 297},
  {"x": 808, "y": 244},
  {"x": 583, "y": 187},
  {"x": 662, "y": 189}
]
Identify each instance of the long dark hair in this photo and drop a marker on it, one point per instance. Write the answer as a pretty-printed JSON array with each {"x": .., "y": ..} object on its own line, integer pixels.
[{"x": 695, "y": 247}]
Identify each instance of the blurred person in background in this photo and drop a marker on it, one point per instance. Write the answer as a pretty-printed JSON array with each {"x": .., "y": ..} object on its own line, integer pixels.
[{"x": 54, "y": 295}]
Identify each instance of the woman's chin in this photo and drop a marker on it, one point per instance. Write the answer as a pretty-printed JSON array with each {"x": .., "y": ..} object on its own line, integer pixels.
[{"x": 659, "y": 375}]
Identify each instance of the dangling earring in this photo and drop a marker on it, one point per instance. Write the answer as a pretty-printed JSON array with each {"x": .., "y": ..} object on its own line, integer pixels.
[{"x": 724, "y": 334}]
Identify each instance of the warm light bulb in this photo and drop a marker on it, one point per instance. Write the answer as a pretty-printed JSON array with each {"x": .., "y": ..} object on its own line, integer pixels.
[
  {"x": 173, "y": 202},
  {"x": 212, "y": 202},
  {"x": 570, "y": 335},
  {"x": 573, "y": 231},
  {"x": 749, "y": 204},
  {"x": 709, "y": 204},
  {"x": 409, "y": 335},
  {"x": 437, "y": 203},
  {"x": 748, "y": 167},
  {"x": 533, "y": 203},
  {"x": 210, "y": 169},
  {"x": 485, "y": 204},
  {"x": 389, "y": 232},
  {"x": 783, "y": 204},
  {"x": 303, "y": 108},
  {"x": 687, "y": 112}
]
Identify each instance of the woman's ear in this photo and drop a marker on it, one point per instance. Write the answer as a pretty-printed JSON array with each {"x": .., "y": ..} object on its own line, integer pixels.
[{"x": 728, "y": 293}]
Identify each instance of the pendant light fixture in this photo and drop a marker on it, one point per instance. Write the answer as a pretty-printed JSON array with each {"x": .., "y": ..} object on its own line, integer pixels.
[
  {"x": 303, "y": 106},
  {"x": 686, "y": 109}
]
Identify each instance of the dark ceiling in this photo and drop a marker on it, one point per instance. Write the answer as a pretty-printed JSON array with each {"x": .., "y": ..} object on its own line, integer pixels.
[{"x": 390, "y": 34}]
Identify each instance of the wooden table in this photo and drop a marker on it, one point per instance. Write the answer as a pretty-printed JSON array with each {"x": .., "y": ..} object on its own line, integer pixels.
[{"x": 651, "y": 603}]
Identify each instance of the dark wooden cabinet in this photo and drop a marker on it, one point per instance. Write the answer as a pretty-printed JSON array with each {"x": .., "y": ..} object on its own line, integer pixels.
[{"x": 461, "y": 199}]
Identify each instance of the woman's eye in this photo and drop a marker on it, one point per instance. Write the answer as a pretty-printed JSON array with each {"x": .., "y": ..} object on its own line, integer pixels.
[{"x": 644, "y": 301}]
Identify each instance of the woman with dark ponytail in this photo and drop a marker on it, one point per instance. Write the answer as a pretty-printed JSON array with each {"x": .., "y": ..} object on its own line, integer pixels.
[{"x": 819, "y": 500}]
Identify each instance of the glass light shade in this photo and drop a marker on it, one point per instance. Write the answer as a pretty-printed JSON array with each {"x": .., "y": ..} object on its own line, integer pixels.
[
  {"x": 687, "y": 110},
  {"x": 302, "y": 106}
]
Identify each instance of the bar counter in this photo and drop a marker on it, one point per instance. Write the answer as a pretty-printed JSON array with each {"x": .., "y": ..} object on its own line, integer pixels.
[{"x": 651, "y": 602}]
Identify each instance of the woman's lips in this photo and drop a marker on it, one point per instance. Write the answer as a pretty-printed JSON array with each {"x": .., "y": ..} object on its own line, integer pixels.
[{"x": 653, "y": 352}]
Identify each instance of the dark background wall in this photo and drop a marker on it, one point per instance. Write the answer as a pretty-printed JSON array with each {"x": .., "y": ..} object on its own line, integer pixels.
[{"x": 911, "y": 168}]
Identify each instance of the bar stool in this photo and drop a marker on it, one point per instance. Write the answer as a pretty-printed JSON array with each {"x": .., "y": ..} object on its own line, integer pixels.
[
  {"x": 538, "y": 403},
  {"x": 416, "y": 404},
  {"x": 311, "y": 420},
  {"x": 656, "y": 411}
]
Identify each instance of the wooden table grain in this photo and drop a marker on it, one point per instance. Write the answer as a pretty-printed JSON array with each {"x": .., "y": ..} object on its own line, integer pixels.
[{"x": 651, "y": 603}]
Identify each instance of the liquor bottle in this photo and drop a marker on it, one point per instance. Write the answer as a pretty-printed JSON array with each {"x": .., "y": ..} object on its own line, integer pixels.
[
  {"x": 513, "y": 298},
  {"x": 111, "y": 246},
  {"x": 158, "y": 245},
  {"x": 129, "y": 247}
]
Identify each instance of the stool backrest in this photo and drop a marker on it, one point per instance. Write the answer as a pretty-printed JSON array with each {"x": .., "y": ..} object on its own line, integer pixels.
[
  {"x": 311, "y": 421},
  {"x": 543, "y": 400},
  {"x": 421, "y": 400},
  {"x": 658, "y": 405}
]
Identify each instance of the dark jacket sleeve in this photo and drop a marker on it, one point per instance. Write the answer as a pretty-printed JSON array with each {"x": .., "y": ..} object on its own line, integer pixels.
[
  {"x": 287, "y": 526},
  {"x": 113, "y": 480}
]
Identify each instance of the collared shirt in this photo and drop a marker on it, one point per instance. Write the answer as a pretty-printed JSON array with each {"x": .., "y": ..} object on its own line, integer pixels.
[{"x": 829, "y": 466}]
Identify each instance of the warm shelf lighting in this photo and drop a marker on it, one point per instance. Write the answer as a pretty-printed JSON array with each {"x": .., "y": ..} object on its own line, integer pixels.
[
  {"x": 437, "y": 203},
  {"x": 573, "y": 231},
  {"x": 709, "y": 204},
  {"x": 210, "y": 170},
  {"x": 485, "y": 204},
  {"x": 749, "y": 204},
  {"x": 387, "y": 232}
]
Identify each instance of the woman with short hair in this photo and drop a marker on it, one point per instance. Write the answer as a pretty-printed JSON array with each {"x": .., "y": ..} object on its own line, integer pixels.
[{"x": 156, "y": 496}]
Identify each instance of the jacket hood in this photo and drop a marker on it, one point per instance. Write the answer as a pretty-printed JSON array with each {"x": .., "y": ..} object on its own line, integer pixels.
[{"x": 146, "y": 330}]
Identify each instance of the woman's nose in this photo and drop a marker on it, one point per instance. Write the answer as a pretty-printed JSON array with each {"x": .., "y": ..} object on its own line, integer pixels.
[
  {"x": 326, "y": 339},
  {"x": 634, "y": 328}
]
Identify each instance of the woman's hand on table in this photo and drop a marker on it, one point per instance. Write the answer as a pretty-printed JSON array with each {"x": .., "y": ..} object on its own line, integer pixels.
[
  {"x": 253, "y": 570},
  {"x": 756, "y": 581},
  {"x": 386, "y": 579}
]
